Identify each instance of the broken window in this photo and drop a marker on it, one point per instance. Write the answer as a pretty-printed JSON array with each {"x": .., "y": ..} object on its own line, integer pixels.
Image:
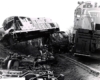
[
  {"x": 8, "y": 25},
  {"x": 17, "y": 25},
  {"x": 29, "y": 20},
  {"x": 17, "y": 19},
  {"x": 88, "y": 5},
  {"x": 22, "y": 17},
  {"x": 52, "y": 24},
  {"x": 78, "y": 12}
]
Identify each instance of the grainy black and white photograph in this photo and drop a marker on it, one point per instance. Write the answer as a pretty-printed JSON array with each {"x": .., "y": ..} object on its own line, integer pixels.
[{"x": 49, "y": 40}]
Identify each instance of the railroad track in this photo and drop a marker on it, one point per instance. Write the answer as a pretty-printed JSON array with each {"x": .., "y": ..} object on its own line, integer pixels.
[{"x": 89, "y": 69}]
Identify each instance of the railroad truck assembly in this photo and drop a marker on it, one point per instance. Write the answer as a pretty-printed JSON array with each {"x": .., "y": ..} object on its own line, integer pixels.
[{"x": 16, "y": 66}]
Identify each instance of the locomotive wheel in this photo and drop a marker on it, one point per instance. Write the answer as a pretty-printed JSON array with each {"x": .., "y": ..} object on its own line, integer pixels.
[
  {"x": 9, "y": 64},
  {"x": 13, "y": 64}
]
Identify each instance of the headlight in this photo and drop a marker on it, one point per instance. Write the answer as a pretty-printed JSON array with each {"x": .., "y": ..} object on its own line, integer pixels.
[{"x": 78, "y": 16}]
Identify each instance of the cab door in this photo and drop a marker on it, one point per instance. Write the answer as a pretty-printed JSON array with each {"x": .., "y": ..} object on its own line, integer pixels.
[{"x": 77, "y": 18}]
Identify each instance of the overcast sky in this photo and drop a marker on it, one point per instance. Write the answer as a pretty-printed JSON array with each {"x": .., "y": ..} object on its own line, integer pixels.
[{"x": 60, "y": 11}]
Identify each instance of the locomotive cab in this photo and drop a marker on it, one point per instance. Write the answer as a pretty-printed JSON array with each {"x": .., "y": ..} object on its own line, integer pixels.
[{"x": 87, "y": 29}]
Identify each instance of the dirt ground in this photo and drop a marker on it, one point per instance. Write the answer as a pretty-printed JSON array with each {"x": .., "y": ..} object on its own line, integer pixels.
[{"x": 71, "y": 71}]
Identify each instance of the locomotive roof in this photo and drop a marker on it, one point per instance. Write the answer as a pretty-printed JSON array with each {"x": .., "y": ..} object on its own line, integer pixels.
[
  {"x": 11, "y": 18},
  {"x": 88, "y": 5}
]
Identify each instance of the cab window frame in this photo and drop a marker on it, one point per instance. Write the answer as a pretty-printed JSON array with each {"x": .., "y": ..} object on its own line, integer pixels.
[
  {"x": 8, "y": 25},
  {"x": 78, "y": 11}
]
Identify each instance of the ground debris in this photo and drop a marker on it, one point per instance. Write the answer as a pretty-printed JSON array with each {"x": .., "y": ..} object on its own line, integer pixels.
[{"x": 71, "y": 71}]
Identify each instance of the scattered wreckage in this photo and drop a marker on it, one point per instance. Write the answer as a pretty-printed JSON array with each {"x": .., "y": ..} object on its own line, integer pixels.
[
  {"x": 18, "y": 29},
  {"x": 59, "y": 42},
  {"x": 29, "y": 75},
  {"x": 31, "y": 71},
  {"x": 16, "y": 62}
]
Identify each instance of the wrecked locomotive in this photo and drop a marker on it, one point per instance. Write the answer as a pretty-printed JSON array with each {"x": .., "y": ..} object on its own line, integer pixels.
[{"x": 17, "y": 28}]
